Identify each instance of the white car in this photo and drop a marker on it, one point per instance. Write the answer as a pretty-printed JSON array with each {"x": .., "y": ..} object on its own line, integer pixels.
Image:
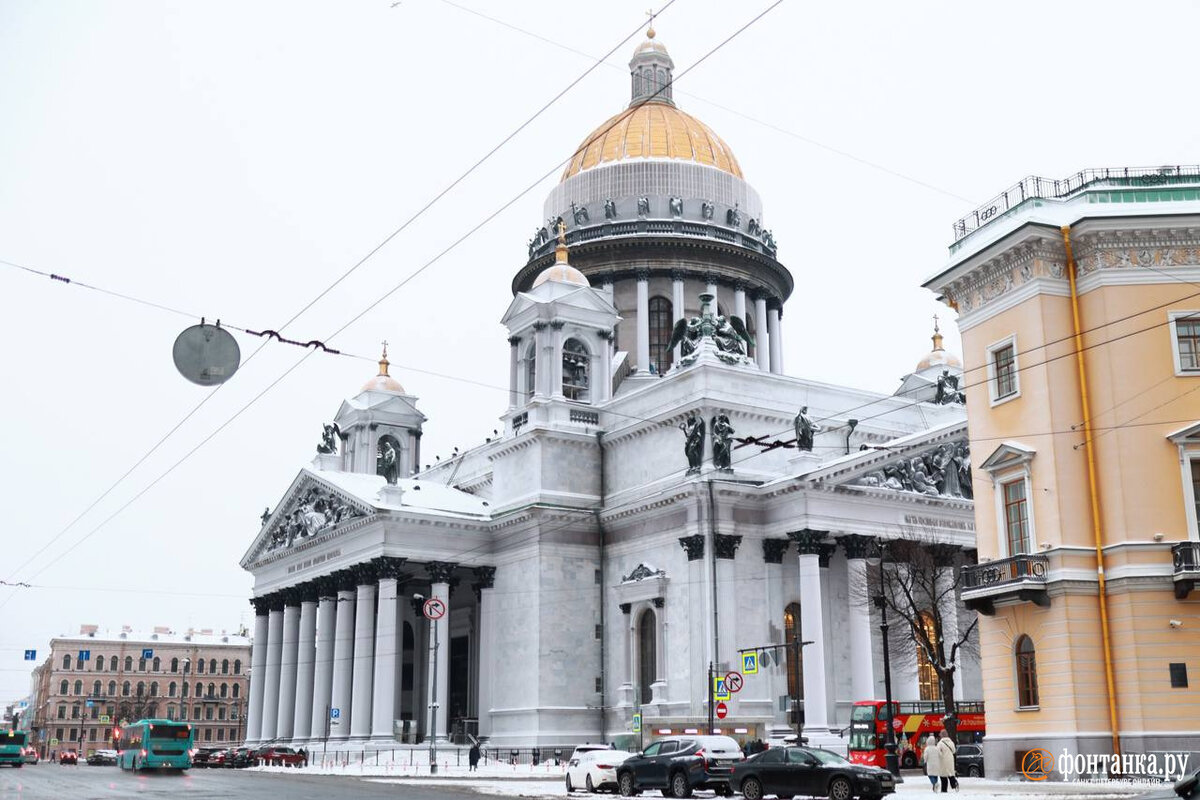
[{"x": 595, "y": 770}]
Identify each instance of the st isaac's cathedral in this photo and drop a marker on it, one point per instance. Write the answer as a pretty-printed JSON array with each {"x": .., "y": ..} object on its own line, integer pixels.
[{"x": 661, "y": 495}]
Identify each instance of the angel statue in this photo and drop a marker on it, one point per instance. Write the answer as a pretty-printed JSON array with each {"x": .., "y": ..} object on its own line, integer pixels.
[
  {"x": 693, "y": 445},
  {"x": 329, "y": 437},
  {"x": 730, "y": 335},
  {"x": 722, "y": 432}
]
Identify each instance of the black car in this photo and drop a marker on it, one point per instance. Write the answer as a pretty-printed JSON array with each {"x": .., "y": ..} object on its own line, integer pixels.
[
  {"x": 203, "y": 757},
  {"x": 811, "y": 772},
  {"x": 239, "y": 758},
  {"x": 678, "y": 764},
  {"x": 968, "y": 760}
]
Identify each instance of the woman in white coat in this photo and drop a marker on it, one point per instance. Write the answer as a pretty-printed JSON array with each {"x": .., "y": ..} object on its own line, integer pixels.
[
  {"x": 946, "y": 767},
  {"x": 932, "y": 760}
]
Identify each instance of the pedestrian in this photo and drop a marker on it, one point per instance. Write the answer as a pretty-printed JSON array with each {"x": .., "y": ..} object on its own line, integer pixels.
[
  {"x": 304, "y": 756},
  {"x": 473, "y": 756},
  {"x": 931, "y": 759},
  {"x": 946, "y": 750}
]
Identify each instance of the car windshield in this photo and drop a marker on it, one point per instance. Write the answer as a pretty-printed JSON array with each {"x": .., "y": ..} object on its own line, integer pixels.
[{"x": 826, "y": 757}]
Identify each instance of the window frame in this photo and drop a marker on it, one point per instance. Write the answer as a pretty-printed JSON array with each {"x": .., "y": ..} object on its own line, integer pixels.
[
  {"x": 1005, "y": 534},
  {"x": 1019, "y": 674},
  {"x": 993, "y": 379},
  {"x": 1172, "y": 318},
  {"x": 659, "y": 308}
]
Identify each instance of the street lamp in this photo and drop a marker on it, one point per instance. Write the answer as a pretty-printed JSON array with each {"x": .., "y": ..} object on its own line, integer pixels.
[
  {"x": 433, "y": 704},
  {"x": 892, "y": 760}
]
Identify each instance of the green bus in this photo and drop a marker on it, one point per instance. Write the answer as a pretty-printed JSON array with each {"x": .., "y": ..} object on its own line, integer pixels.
[
  {"x": 12, "y": 747},
  {"x": 154, "y": 744}
]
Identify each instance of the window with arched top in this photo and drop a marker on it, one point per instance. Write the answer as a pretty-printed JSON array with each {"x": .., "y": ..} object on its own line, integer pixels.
[
  {"x": 575, "y": 372},
  {"x": 212, "y": 689},
  {"x": 112, "y": 688},
  {"x": 225, "y": 666},
  {"x": 172, "y": 688},
  {"x": 141, "y": 688},
  {"x": 200, "y": 666},
  {"x": 174, "y": 665},
  {"x": 662, "y": 323},
  {"x": 224, "y": 690},
  {"x": 129, "y": 663},
  {"x": 78, "y": 687},
  {"x": 64, "y": 687},
  {"x": 212, "y": 666},
  {"x": 237, "y": 666},
  {"x": 112, "y": 664},
  {"x": 99, "y": 663},
  {"x": 199, "y": 689},
  {"x": 927, "y": 678},
  {"x": 125, "y": 689},
  {"x": 183, "y": 689},
  {"x": 154, "y": 689},
  {"x": 795, "y": 668},
  {"x": 236, "y": 691},
  {"x": 96, "y": 688},
  {"x": 1027, "y": 682},
  {"x": 530, "y": 371},
  {"x": 647, "y": 653},
  {"x": 141, "y": 665},
  {"x": 66, "y": 662},
  {"x": 157, "y": 664}
]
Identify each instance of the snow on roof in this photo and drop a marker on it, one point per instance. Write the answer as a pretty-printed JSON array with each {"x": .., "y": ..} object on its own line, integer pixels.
[
  {"x": 193, "y": 639},
  {"x": 414, "y": 494}
]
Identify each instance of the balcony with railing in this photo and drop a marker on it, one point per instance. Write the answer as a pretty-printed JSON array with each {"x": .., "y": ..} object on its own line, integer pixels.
[
  {"x": 1020, "y": 578},
  {"x": 1186, "y": 558}
]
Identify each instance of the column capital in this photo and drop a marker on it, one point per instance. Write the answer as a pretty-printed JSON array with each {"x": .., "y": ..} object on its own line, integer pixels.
[
  {"x": 346, "y": 580},
  {"x": 658, "y": 602},
  {"x": 293, "y": 595},
  {"x": 626, "y": 608},
  {"x": 740, "y": 286},
  {"x": 261, "y": 605},
  {"x": 275, "y": 601},
  {"x": 694, "y": 545},
  {"x": 606, "y": 335},
  {"x": 775, "y": 304},
  {"x": 539, "y": 325},
  {"x": 857, "y": 546},
  {"x": 725, "y": 545},
  {"x": 557, "y": 324},
  {"x": 808, "y": 541},
  {"x": 441, "y": 571},
  {"x": 825, "y": 553},
  {"x": 327, "y": 586},
  {"x": 678, "y": 275},
  {"x": 390, "y": 567},
  {"x": 514, "y": 340},
  {"x": 365, "y": 573},
  {"x": 641, "y": 274},
  {"x": 757, "y": 294},
  {"x": 486, "y": 580},
  {"x": 774, "y": 550},
  {"x": 309, "y": 591}
]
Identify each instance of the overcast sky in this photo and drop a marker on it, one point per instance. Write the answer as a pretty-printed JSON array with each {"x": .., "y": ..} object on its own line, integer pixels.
[{"x": 230, "y": 160}]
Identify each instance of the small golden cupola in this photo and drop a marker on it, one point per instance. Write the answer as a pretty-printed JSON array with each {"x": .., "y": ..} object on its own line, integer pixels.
[
  {"x": 383, "y": 382},
  {"x": 561, "y": 271}
]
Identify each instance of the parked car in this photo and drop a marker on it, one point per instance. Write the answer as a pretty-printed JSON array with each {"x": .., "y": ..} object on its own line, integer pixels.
[
  {"x": 280, "y": 757},
  {"x": 239, "y": 757},
  {"x": 678, "y": 764},
  {"x": 808, "y": 771},
  {"x": 68, "y": 757},
  {"x": 968, "y": 760},
  {"x": 203, "y": 757},
  {"x": 30, "y": 754},
  {"x": 102, "y": 758},
  {"x": 595, "y": 770},
  {"x": 587, "y": 748}
]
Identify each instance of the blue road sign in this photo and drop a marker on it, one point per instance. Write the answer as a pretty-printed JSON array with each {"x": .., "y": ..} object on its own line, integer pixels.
[
  {"x": 720, "y": 690},
  {"x": 85, "y": 655},
  {"x": 637, "y": 722},
  {"x": 335, "y": 713},
  {"x": 749, "y": 663},
  {"x": 31, "y": 655},
  {"x": 89, "y": 703},
  {"x": 147, "y": 653},
  {"x": 24, "y": 703}
]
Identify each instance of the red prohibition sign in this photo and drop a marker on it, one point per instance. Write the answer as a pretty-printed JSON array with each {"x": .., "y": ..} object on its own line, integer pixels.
[
  {"x": 722, "y": 710},
  {"x": 733, "y": 681},
  {"x": 434, "y": 608}
]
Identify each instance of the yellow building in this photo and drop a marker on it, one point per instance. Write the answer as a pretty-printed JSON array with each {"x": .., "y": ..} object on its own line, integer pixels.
[{"x": 1079, "y": 307}]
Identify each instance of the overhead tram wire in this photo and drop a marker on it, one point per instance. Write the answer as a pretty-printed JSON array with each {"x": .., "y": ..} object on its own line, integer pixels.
[{"x": 394, "y": 289}]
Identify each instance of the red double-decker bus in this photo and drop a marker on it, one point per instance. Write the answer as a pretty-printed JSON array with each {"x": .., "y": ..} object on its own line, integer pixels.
[{"x": 912, "y": 723}]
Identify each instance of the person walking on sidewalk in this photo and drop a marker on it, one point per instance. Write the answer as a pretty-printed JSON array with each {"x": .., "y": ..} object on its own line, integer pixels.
[
  {"x": 931, "y": 759},
  {"x": 947, "y": 772},
  {"x": 473, "y": 756}
]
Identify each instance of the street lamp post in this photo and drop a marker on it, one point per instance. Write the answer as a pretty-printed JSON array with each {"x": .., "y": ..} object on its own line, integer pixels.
[
  {"x": 892, "y": 760},
  {"x": 433, "y": 704}
]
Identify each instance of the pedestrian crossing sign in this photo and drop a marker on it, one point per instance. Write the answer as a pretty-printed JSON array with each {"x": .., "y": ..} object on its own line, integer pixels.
[
  {"x": 637, "y": 722},
  {"x": 749, "y": 663},
  {"x": 720, "y": 690}
]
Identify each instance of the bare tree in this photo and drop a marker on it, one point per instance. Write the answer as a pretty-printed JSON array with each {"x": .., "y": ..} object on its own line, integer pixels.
[{"x": 918, "y": 579}]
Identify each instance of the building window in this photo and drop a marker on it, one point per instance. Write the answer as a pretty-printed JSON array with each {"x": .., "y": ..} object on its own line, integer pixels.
[
  {"x": 141, "y": 665},
  {"x": 221, "y": 713},
  {"x": 1178, "y": 675},
  {"x": 212, "y": 690},
  {"x": 220, "y": 734},
  {"x": 78, "y": 688},
  {"x": 66, "y": 662},
  {"x": 1027, "y": 687},
  {"x": 237, "y": 668},
  {"x": 112, "y": 688},
  {"x": 575, "y": 370},
  {"x": 183, "y": 689},
  {"x": 129, "y": 663},
  {"x": 96, "y": 689},
  {"x": 199, "y": 690},
  {"x": 530, "y": 371},
  {"x": 172, "y": 688},
  {"x": 662, "y": 323},
  {"x": 174, "y": 665},
  {"x": 62, "y": 714},
  {"x": 236, "y": 691},
  {"x": 1195, "y": 465},
  {"x": 95, "y": 712},
  {"x": 1185, "y": 341},
  {"x": 1016, "y": 517},
  {"x": 208, "y": 712},
  {"x": 1003, "y": 363},
  {"x": 791, "y": 632},
  {"x": 64, "y": 687},
  {"x": 212, "y": 666},
  {"x": 112, "y": 664},
  {"x": 157, "y": 664},
  {"x": 647, "y": 654},
  {"x": 208, "y": 735},
  {"x": 154, "y": 689},
  {"x": 225, "y": 666},
  {"x": 99, "y": 663},
  {"x": 75, "y": 711},
  {"x": 927, "y": 677},
  {"x": 224, "y": 690},
  {"x": 92, "y": 735},
  {"x": 141, "y": 688},
  {"x": 200, "y": 666},
  {"x": 125, "y": 689}
]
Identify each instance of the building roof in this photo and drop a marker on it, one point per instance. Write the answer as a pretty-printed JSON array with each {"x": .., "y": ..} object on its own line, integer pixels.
[{"x": 193, "y": 639}]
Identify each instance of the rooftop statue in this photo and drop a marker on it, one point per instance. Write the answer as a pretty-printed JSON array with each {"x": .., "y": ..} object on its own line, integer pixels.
[
  {"x": 728, "y": 334},
  {"x": 693, "y": 443},
  {"x": 329, "y": 437}
]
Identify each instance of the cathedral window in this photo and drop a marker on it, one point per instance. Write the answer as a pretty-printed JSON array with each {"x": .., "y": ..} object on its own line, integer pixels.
[
  {"x": 647, "y": 654},
  {"x": 575, "y": 371},
  {"x": 530, "y": 371},
  {"x": 662, "y": 321},
  {"x": 927, "y": 677},
  {"x": 791, "y": 632}
]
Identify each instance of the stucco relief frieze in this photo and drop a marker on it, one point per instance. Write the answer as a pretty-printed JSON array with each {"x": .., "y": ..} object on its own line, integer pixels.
[
  {"x": 942, "y": 471},
  {"x": 310, "y": 511}
]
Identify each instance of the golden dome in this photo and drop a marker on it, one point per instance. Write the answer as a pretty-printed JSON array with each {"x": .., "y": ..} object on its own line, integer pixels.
[
  {"x": 563, "y": 273},
  {"x": 938, "y": 357},
  {"x": 653, "y": 130},
  {"x": 383, "y": 382}
]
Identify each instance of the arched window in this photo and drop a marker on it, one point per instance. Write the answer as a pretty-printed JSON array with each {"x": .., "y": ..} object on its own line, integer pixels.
[
  {"x": 96, "y": 689},
  {"x": 125, "y": 689},
  {"x": 795, "y": 668},
  {"x": 64, "y": 687},
  {"x": 129, "y": 663},
  {"x": 662, "y": 322},
  {"x": 99, "y": 663},
  {"x": 154, "y": 689},
  {"x": 647, "y": 653},
  {"x": 112, "y": 664},
  {"x": 141, "y": 665},
  {"x": 174, "y": 665},
  {"x": 172, "y": 688},
  {"x": 141, "y": 688},
  {"x": 112, "y": 688},
  {"x": 200, "y": 666},
  {"x": 530, "y": 371},
  {"x": 157, "y": 664},
  {"x": 927, "y": 677},
  {"x": 212, "y": 689},
  {"x": 183, "y": 689},
  {"x": 66, "y": 662},
  {"x": 1027, "y": 685},
  {"x": 78, "y": 688},
  {"x": 575, "y": 370},
  {"x": 224, "y": 690},
  {"x": 237, "y": 666},
  {"x": 212, "y": 666},
  {"x": 236, "y": 691},
  {"x": 199, "y": 690},
  {"x": 225, "y": 666}
]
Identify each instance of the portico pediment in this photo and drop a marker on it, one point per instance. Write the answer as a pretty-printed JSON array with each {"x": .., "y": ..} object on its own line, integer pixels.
[
  {"x": 1007, "y": 456},
  {"x": 644, "y": 583},
  {"x": 1187, "y": 435},
  {"x": 310, "y": 509},
  {"x": 935, "y": 464}
]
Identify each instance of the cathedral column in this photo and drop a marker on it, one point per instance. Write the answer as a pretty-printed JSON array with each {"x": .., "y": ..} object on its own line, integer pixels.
[
  {"x": 440, "y": 576},
  {"x": 678, "y": 309},
  {"x": 862, "y": 672},
  {"x": 776, "y": 337},
  {"x": 364, "y": 651},
  {"x": 387, "y": 648},
  {"x": 627, "y": 671},
  {"x": 258, "y": 671},
  {"x": 556, "y": 359},
  {"x": 541, "y": 364},
  {"x": 811, "y": 545},
  {"x": 602, "y": 384},
  {"x": 343, "y": 654},
  {"x": 323, "y": 667},
  {"x": 774, "y": 683},
  {"x": 643, "y": 321},
  {"x": 305, "y": 656},
  {"x": 485, "y": 580},
  {"x": 514, "y": 392},
  {"x": 739, "y": 301},
  {"x": 762, "y": 336},
  {"x": 285, "y": 728},
  {"x": 270, "y": 723}
]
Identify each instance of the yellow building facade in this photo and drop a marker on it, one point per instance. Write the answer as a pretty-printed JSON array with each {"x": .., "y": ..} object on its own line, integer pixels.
[{"x": 1079, "y": 308}]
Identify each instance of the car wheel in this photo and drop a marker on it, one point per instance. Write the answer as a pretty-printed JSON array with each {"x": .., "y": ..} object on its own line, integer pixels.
[
  {"x": 908, "y": 761},
  {"x": 752, "y": 789},
  {"x": 570, "y": 788},
  {"x": 588, "y": 782},
  {"x": 974, "y": 771},
  {"x": 840, "y": 789},
  {"x": 625, "y": 784},
  {"x": 680, "y": 787}
]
